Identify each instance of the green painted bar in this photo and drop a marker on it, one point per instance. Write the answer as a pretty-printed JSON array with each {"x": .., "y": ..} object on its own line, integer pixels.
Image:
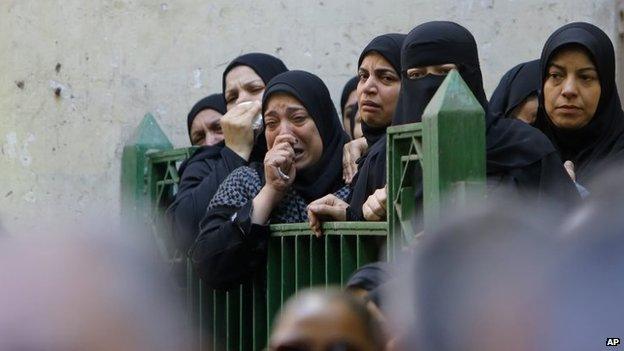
[
  {"x": 232, "y": 317},
  {"x": 135, "y": 199},
  {"x": 332, "y": 260},
  {"x": 219, "y": 323},
  {"x": 348, "y": 257},
  {"x": 273, "y": 283},
  {"x": 206, "y": 312},
  {"x": 454, "y": 145},
  {"x": 288, "y": 267},
  {"x": 368, "y": 249},
  {"x": 302, "y": 258},
  {"x": 245, "y": 335},
  {"x": 260, "y": 326},
  {"x": 317, "y": 261}
]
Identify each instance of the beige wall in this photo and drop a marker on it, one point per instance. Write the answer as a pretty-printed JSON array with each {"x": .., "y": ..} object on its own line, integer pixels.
[{"x": 60, "y": 156}]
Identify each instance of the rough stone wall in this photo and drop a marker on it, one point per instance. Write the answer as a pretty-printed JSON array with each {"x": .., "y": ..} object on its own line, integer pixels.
[{"x": 77, "y": 76}]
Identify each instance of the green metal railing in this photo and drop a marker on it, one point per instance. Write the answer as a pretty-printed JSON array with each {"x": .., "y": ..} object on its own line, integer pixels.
[{"x": 449, "y": 145}]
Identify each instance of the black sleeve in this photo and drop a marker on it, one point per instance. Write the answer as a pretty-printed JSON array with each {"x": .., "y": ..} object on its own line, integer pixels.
[
  {"x": 549, "y": 180},
  {"x": 199, "y": 183},
  {"x": 229, "y": 248},
  {"x": 555, "y": 182}
]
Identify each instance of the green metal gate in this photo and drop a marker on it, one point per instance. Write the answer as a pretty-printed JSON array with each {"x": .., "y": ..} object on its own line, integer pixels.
[{"x": 449, "y": 146}]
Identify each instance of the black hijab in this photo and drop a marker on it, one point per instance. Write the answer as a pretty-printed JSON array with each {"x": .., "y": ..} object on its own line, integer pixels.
[
  {"x": 346, "y": 91},
  {"x": 267, "y": 67},
  {"x": 514, "y": 88},
  {"x": 388, "y": 46},
  {"x": 325, "y": 176},
  {"x": 370, "y": 276},
  {"x": 214, "y": 102},
  {"x": 510, "y": 144},
  {"x": 601, "y": 141}
]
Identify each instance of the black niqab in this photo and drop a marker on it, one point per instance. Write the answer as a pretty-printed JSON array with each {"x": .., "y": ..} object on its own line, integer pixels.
[
  {"x": 215, "y": 102},
  {"x": 601, "y": 141},
  {"x": 325, "y": 176},
  {"x": 267, "y": 67},
  {"x": 510, "y": 144},
  {"x": 514, "y": 88}
]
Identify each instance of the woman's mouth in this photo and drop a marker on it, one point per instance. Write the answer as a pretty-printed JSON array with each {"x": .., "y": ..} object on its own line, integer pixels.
[
  {"x": 298, "y": 153},
  {"x": 370, "y": 106},
  {"x": 568, "y": 109}
]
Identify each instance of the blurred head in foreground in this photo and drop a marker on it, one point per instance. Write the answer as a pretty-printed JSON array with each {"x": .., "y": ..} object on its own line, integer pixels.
[
  {"x": 477, "y": 283},
  {"x": 84, "y": 292},
  {"x": 587, "y": 288},
  {"x": 325, "y": 320}
]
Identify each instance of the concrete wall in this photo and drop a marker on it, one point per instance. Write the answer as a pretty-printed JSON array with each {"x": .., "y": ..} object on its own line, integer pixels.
[{"x": 116, "y": 60}]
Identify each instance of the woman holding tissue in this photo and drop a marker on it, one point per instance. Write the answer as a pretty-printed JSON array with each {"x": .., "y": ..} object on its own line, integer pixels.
[
  {"x": 304, "y": 162},
  {"x": 244, "y": 81}
]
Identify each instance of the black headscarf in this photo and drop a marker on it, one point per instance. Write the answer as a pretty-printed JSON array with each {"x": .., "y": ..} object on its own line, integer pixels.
[
  {"x": 214, "y": 102},
  {"x": 601, "y": 141},
  {"x": 267, "y": 67},
  {"x": 388, "y": 46},
  {"x": 352, "y": 117},
  {"x": 514, "y": 88},
  {"x": 346, "y": 91},
  {"x": 325, "y": 176},
  {"x": 370, "y": 276},
  {"x": 510, "y": 144}
]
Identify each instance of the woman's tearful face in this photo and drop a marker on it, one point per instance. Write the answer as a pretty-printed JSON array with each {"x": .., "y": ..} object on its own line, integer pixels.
[{"x": 285, "y": 115}]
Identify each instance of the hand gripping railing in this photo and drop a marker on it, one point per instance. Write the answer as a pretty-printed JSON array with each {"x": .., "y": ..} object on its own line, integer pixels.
[{"x": 449, "y": 145}]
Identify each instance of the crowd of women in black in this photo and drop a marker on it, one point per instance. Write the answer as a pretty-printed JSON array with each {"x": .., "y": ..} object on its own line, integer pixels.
[{"x": 273, "y": 148}]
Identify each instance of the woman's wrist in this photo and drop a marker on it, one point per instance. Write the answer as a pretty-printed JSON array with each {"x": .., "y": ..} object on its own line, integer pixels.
[{"x": 264, "y": 202}]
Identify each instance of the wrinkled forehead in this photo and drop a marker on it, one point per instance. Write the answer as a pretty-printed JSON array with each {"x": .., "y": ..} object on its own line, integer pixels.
[{"x": 241, "y": 75}]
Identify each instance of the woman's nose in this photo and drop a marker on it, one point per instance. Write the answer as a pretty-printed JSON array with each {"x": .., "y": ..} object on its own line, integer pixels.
[{"x": 569, "y": 89}]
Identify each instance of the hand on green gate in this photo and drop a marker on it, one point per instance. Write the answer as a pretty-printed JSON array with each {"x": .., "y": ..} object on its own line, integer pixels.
[
  {"x": 327, "y": 208},
  {"x": 374, "y": 209}
]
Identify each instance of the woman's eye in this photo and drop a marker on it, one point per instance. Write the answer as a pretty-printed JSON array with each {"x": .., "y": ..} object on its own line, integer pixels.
[
  {"x": 299, "y": 119},
  {"x": 555, "y": 75},
  {"x": 230, "y": 99},
  {"x": 387, "y": 79},
  {"x": 415, "y": 74},
  {"x": 587, "y": 78}
]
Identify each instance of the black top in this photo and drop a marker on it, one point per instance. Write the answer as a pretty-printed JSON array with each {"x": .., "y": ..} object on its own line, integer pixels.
[
  {"x": 514, "y": 88},
  {"x": 368, "y": 178},
  {"x": 214, "y": 102},
  {"x": 206, "y": 169},
  {"x": 601, "y": 142},
  {"x": 230, "y": 247}
]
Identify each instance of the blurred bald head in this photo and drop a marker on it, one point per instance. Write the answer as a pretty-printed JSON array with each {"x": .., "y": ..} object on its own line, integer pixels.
[{"x": 325, "y": 320}]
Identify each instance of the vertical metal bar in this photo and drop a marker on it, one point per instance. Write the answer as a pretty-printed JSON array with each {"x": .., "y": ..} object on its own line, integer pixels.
[
  {"x": 348, "y": 257},
  {"x": 260, "y": 326},
  {"x": 302, "y": 257},
  {"x": 246, "y": 332},
  {"x": 317, "y": 260},
  {"x": 273, "y": 279},
  {"x": 220, "y": 319},
  {"x": 288, "y": 268},
  {"x": 332, "y": 259},
  {"x": 233, "y": 314}
]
